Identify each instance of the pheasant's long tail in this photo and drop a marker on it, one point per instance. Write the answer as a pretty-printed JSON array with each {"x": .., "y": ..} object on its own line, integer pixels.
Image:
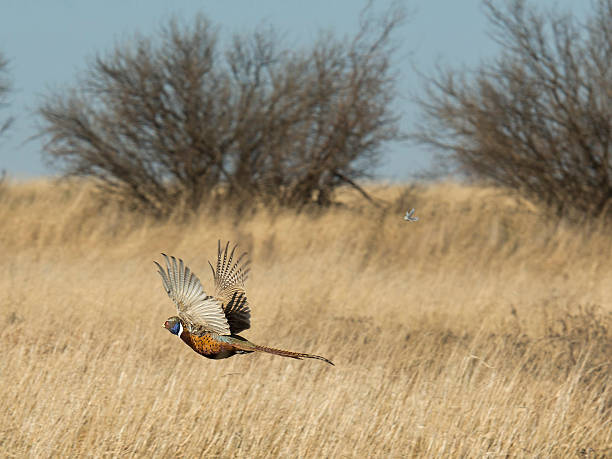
[
  {"x": 293, "y": 355},
  {"x": 242, "y": 345},
  {"x": 247, "y": 346}
]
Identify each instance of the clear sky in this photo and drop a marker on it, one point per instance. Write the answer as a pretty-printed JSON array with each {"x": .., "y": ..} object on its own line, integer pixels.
[{"x": 48, "y": 42}]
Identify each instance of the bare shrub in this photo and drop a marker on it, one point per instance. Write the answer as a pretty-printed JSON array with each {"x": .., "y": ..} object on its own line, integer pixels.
[
  {"x": 538, "y": 118},
  {"x": 169, "y": 122},
  {"x": 5, "y": 88}
]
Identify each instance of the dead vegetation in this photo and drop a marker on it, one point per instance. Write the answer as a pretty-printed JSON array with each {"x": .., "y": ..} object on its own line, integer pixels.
[{"x": 482, "y": 329}]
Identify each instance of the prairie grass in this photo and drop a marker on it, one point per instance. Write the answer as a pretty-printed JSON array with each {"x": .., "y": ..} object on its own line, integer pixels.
[{"x": 484, "y": 329}]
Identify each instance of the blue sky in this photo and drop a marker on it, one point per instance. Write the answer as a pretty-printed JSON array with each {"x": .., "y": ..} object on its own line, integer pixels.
[{"x": 49, "y": 42}]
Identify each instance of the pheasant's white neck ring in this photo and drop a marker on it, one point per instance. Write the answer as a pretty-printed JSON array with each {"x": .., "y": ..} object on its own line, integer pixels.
[{"x": 180, "y": 330}]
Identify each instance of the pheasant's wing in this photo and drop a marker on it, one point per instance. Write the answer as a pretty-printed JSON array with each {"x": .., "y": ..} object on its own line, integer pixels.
[
  {"x": 230, "y": 277},
  {"x": 192, "y": 303}
]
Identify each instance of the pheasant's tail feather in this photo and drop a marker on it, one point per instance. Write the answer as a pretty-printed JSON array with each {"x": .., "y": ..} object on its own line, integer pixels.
[{"x": 293, "y": 355}]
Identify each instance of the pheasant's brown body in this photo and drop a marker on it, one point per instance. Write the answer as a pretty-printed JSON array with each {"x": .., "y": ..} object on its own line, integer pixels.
[
  {"x": 208, "y": 345},
  {"x": 209, "y": 324}
]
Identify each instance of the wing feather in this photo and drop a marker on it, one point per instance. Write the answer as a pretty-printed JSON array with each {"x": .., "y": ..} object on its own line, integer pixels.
[
  {"x": 188, "y": 281},
  {"x": 181, "y": 275},
  {"x": 193, "y": 305},
  {"x": 165, "y": 279},
  {"x": 230, "y": 278}
]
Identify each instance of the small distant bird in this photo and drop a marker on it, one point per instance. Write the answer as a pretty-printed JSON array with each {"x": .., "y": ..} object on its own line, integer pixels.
[
  {"x": 409, "y": 217},
  {"x": 210, "y": 324}
]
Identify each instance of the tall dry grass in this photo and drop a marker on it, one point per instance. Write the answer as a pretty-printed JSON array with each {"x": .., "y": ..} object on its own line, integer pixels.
[{"x": 482, "y": 330}]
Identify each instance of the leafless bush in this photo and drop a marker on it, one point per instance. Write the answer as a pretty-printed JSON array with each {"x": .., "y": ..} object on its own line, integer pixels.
[
  {"x": 538, "y": 118},
  {"x": 5, "y": 88},
  {"x": 168, "y": 123}
]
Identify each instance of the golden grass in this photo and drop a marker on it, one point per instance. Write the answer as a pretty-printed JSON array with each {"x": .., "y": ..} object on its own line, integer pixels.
[{"x": 482, "y": 330}]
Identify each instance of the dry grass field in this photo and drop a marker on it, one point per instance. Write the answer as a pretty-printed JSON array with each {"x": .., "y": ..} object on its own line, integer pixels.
[{"x": 482, "y": 330}]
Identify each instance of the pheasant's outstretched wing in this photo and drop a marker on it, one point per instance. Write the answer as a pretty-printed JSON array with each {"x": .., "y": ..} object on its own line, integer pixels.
[
  {"x": 193, "y": 305},
  {"x": 230, "y": 278}
]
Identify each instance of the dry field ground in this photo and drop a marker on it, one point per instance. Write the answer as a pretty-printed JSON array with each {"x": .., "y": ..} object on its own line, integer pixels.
[{"x": 483, "y": 330}]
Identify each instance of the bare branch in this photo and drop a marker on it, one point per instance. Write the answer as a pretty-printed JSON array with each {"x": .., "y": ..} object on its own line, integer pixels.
[
  {"x": 5, "y": 88},
  {"x": 169, "y": 122},
  {"x": 537, "y": 119}
]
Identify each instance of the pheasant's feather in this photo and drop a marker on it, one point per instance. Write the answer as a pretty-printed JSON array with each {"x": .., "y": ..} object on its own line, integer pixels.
[
  {"x": 293, "y": 355},
  {"x": 246, "y": 346},
  {"x": 230, "y": 278},
  {"x": 198, "y": 310}
]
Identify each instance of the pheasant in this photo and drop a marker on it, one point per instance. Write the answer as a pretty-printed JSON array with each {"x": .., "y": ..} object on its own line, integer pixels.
[{"x": 210, "y": 324}]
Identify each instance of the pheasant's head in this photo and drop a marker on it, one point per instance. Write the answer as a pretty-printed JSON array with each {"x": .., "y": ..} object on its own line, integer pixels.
[{"x": 174, "y": 325}]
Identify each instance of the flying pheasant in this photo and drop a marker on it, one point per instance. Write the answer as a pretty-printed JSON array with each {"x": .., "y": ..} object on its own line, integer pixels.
[{"x": 210, "y": 324}]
